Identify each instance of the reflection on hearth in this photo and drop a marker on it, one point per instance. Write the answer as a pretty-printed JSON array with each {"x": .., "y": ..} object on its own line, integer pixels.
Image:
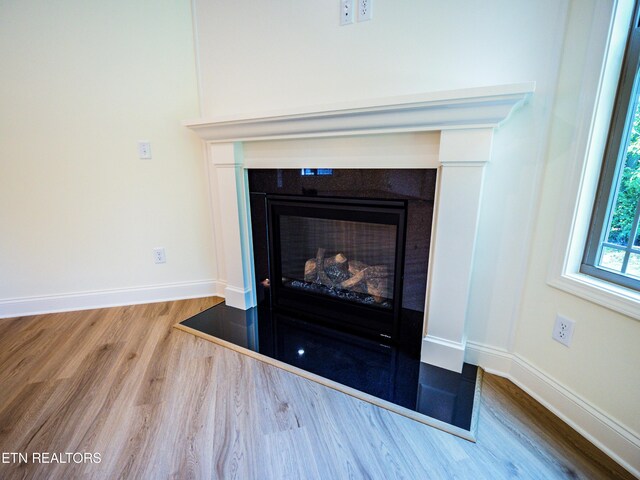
[{"x": 390, "y": 372}]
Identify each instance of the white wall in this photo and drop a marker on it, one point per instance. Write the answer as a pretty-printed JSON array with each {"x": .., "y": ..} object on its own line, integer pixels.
[
  {"x": 256, "y": 57},
  {"x": 601, "y": 365},
  {"x": 82, "y": 82},
  {"x": 259, "y": 56}
]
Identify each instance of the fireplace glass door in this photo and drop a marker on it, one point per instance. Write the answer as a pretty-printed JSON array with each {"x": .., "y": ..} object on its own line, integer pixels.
[{"x": 338, "y": 259}]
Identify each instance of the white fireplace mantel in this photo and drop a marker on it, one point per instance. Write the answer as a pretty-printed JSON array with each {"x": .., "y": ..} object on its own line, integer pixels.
[
  {"x": 480, "y": 107},
  {"x": 466, "y": 120}
]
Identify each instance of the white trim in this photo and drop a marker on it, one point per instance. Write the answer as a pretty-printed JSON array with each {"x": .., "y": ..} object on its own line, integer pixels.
[
  {"x": 607, "y": 42},
  {"x": 230, "y": 204},
  {"x": 496, "y": 361},
  {"x": 196, "y": 53},
  {"x": 443, "y": 353},
  {"x": 221, "y": 288},
  {"x": 239, "y": 297},
  {"x": 614, "y": 297},
  {"x": 480, "y": 107},
  {"x": 605, "y": 432},
  {"x": 466, "y": 147},
  {"x": 463, "y": 154},
  {"x": 66, "y": 302}
]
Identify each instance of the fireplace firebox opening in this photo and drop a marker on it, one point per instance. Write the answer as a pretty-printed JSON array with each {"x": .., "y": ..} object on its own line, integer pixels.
[{"x": 339, "y": 259}]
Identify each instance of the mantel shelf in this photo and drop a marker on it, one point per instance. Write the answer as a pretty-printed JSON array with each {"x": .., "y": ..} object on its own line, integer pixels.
[{"x": 479, "y": 107}]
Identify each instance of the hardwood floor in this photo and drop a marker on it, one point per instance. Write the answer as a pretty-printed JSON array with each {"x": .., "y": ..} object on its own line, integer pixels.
[{"x": 156, "y": 403}]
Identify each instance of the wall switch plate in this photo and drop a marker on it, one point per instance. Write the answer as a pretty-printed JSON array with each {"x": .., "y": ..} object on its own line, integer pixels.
[
  {"x": 364, "y": 10},
  {"x": 346, "y": 12},
  {"x": 563, "y": 330},
  {"x": 159, "y": 255},
  {"x": 144, "y": 150}
]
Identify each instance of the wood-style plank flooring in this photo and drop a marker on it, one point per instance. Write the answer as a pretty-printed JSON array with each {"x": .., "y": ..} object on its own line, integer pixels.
[{"x": 159, "y": 403}]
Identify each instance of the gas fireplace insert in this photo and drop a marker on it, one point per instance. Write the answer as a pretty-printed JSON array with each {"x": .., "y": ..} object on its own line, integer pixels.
[{"x": 339, "y": 259}]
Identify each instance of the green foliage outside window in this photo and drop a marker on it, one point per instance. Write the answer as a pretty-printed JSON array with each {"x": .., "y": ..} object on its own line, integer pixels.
[{"x": 628, "y": 190}]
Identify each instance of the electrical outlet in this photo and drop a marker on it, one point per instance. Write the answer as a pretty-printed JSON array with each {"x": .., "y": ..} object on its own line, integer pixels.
[
  {"x": 364, "y": 10},
  {"x": 346, "y": 12},
  {"x": 563, "y": 330},
  {"x": 144, "y": 150},
  {"x": 159, "y": 256}
]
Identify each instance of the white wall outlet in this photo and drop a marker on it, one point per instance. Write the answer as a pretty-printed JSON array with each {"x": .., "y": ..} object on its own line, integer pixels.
[
  {"x": 364, "y": 10},
  {"x": 346, "y": 12},
  {"x": 159, "y": 256},
  {"x": 563, "y": 330},
  {"x": 144, "y": 150}
]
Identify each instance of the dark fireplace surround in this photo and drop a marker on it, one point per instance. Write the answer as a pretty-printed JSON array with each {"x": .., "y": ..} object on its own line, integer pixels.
[{"x": 344, "y": 247}]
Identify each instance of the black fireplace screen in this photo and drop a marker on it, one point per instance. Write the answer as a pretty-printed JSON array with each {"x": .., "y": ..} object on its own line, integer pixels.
[
  {"x": 351, "y": 260},
  {"x": 340, "y": 259}
]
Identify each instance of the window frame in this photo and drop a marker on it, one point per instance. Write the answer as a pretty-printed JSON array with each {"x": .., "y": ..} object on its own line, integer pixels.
[{"x": 614, "y": 158}]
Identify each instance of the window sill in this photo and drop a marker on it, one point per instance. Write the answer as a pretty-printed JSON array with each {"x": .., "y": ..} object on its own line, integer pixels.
[{"x": 614, "y": 297}]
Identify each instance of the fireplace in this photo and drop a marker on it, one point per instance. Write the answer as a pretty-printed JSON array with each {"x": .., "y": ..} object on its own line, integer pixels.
[
  {"x": 451, "y": 131},
  {"x": 348, "y": 249}
]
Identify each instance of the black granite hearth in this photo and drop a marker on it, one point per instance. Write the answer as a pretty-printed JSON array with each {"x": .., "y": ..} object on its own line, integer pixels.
[
  {"x": 341, "y": 263},
  {"x": 390, "y": 372}
]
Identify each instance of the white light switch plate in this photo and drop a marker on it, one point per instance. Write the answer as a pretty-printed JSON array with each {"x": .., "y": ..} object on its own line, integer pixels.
[
  {"x": 144, "y": 150},
  {"x": 346, "y": 12}
]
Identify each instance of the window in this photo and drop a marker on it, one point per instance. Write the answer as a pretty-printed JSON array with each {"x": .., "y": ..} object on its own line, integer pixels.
[{"x": 612, "y": 251}]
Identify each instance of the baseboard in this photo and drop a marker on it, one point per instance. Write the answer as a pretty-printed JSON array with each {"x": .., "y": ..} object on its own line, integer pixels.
[
  {"x": 614, "y": 439},
  {"x": 220, "y": 287},
  {"x": 492, "y": 360},
  {"x": 19, "y": 307}
]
